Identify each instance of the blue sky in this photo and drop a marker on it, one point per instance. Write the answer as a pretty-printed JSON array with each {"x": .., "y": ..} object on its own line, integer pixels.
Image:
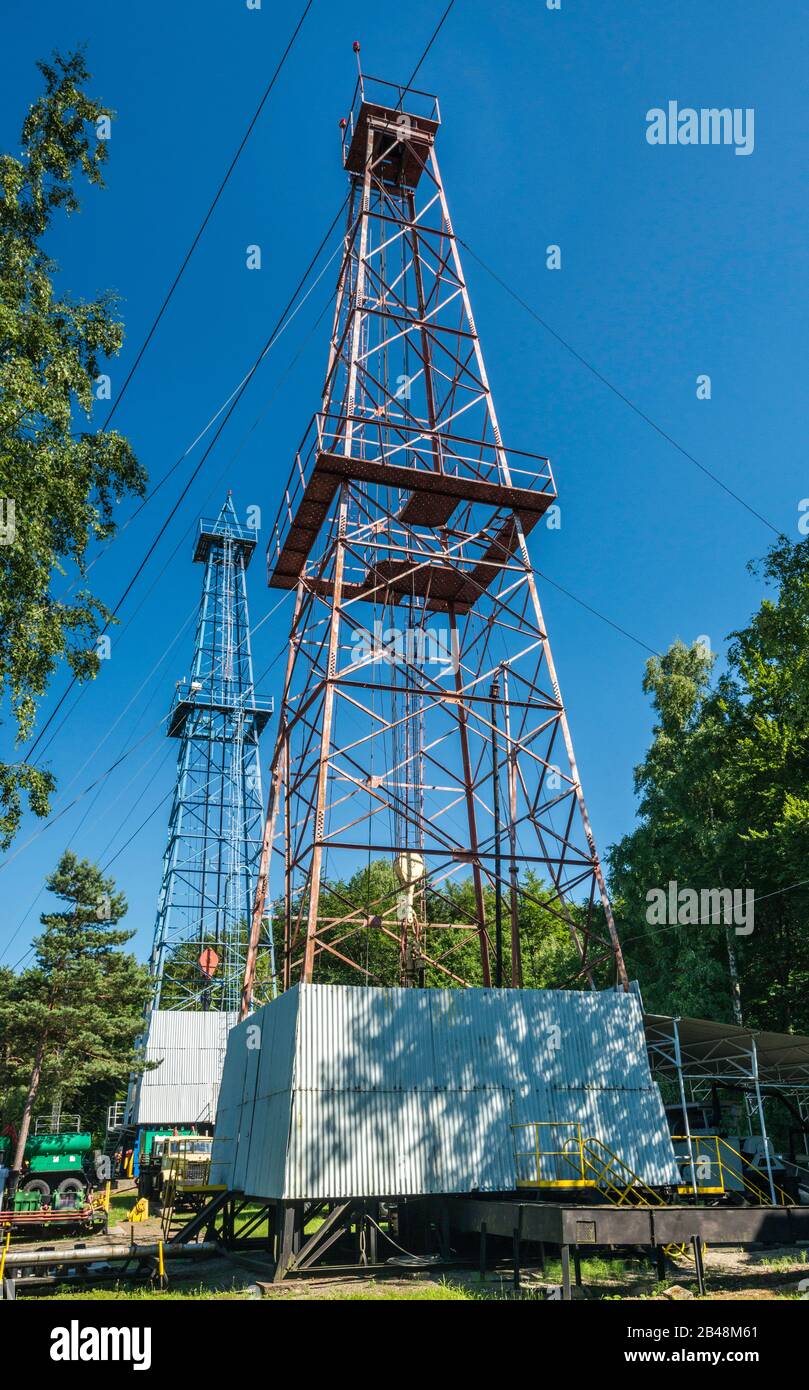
[{"x": 676, "y": 261}]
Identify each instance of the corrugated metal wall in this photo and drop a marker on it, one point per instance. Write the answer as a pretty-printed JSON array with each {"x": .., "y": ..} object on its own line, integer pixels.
[
  {"x": 190, "y": 1048},
  {"x": 252, "y": 1120},
  {"x": 379, "y": 1092}
]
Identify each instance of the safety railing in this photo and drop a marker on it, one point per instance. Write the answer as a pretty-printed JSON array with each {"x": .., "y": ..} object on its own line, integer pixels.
[
  {"x": 116, "y": 1116},
  {"x": 719, "y": 1169},
  {"x": 378, "y": 92},
  {"x": 375, "y": 441},
  {"x": 60, "y": 1124},
  {"x": 576, "y": 1160},
  {"x": 552, "y": 1167},
  {"x": 228, "y": 530},
  {"x": 218, "y": 699}
]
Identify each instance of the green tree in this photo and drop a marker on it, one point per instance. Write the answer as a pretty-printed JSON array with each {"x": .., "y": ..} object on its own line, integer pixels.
[
  {"x": 723, "y": 804},
  {"x": 69, "y": 1023},
  {"x": 184, "y": 985},
  {"x": 58, "y": 481},
  {"x": 685, "y": 824},
  {"x": 549, "y": 958}
]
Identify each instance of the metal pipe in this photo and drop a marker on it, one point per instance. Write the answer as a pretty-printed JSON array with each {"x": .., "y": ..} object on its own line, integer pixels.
[
  {"x": 498, "y": 889},
  {"x": 511, "y": 766},
  {"x": 678, "y": 1062},
  {"x": 92, "y": 1254},
  {"x": 762, "y": 1122}
]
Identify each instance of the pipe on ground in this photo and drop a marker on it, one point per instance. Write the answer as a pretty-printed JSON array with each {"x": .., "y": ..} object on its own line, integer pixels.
[{"x": 105, "y": 1254}]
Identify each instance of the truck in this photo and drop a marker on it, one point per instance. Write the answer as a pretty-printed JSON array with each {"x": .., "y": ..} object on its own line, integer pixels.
[
  {"x": 179, "y": 1161},
  {"x": 59, "y": 1165}
]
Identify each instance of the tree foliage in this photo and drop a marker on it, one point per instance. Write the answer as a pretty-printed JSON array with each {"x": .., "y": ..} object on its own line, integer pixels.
[
  {"x": 58, "y": 481},
  {"x": 724, "y": 803},
  {"x": 184, "y": 985},
  {"x": 549, "y": 958},
  {"x": 68, "y": 1024}
]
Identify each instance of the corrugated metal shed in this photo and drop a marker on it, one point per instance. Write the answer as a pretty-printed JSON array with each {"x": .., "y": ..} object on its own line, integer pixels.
[
  {"x": 336, "y": 1091},
  {"x": 190, "y": 1050}
]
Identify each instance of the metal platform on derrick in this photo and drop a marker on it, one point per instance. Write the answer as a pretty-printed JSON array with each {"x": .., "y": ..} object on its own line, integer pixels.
[
  {"x": 212, "y": 534},
  {"x": 435, "y": 473},
  {"x": 398, "y": 135},
  {"x": 255, "y": 713}
]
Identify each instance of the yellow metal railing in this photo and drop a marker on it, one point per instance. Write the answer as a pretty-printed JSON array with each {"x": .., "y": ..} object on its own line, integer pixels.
[
  {"x": 570, "y": 1172},
  {"x": 577, "y": 1160},
  {"x": 580, "y": 1162},
  {"x": 710, "y": 1150},
  {"x": 620, "y": 1183}
]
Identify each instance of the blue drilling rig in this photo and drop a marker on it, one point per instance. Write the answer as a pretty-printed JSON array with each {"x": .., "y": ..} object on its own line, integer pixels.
[{"x": 216, "y": 821}]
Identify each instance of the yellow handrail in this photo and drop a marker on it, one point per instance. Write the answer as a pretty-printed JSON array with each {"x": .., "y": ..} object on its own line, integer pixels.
[
  {"x": 579, "y": 1178},
  {"x": 760, "y": 1193},
  {"x": 633, "y": 1184},
  {"x": 589, "y": 1163}
]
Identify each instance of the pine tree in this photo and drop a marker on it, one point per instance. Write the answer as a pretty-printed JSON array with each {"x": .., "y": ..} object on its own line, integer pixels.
[{"x": 75, "y": 1016}]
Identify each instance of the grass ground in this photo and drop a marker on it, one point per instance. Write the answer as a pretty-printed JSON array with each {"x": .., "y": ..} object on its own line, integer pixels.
[{"x": 730, "y": 1274}]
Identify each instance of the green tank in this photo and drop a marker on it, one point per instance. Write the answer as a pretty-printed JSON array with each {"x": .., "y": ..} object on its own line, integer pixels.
[
  {"x": 54, "y": 1164},
  {"x": 57, "y": 1145}
]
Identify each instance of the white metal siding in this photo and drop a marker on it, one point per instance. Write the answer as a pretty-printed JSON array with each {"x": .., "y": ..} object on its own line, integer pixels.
[
  {"x": 383, "y": 1092},
  {"x": 252, "y": 1122},
  {"x": 190, "y": 1050}
]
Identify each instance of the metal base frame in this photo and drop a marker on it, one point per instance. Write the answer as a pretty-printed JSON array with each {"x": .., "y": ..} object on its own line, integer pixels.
[{"x": 428, "y": 1226}]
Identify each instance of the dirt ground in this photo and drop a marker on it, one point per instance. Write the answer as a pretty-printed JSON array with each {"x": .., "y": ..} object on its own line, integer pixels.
[{"x": 730, "y": 1275}]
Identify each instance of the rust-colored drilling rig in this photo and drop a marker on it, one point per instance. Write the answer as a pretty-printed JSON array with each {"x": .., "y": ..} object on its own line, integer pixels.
[{"x": 421, "y": 720}]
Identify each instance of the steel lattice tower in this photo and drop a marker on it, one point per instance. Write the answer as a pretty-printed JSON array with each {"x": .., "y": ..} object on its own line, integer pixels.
[
  {"x": 215, "y": 826},
  {"x": 421, "y": 718}
]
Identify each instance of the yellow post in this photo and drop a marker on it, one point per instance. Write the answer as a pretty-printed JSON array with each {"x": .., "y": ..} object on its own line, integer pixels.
[
  {"x": 720, "y": 1167},
  {"x": 3, "y": 1256},
  {"x": 161, "y": 1268}
]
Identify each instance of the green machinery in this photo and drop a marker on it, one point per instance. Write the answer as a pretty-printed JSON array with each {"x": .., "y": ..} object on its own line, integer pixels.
[{"x": 58, "y": 1167}]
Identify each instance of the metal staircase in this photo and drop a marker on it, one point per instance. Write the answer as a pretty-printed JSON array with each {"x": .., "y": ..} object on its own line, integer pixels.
[
  {"x": 615, "y": 1179},
  {"x": 721, "y": 1169},
  {"x": 561, "y": 1157}
]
